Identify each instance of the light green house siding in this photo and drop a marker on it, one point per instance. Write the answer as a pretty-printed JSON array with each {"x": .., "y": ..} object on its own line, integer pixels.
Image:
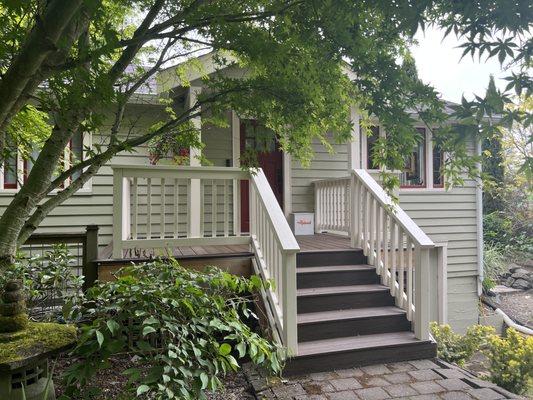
[{"x": 446, "y": 216}]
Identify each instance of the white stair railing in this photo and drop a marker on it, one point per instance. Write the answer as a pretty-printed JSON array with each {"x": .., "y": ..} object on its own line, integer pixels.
[
  {"x": 401, "y": 252},
  {"x": 155, "y": 207},
  {"x": 332, "y": 208},
  {"x": 275, "y": 249}
]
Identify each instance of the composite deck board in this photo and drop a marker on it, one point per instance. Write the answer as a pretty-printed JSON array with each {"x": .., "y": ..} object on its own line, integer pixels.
[
  {"x": 311, "y": 243},
  {"x": 356, "y": 342},
  {"x": 341, "y": 290},
  {"x": 338, "y": 315}
]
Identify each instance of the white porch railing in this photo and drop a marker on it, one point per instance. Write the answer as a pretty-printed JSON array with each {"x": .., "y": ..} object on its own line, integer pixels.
[
  {"x": 275, "y": 248},
  {"x": 401, "y": 252},
  {"x": 163, "y": 207}
]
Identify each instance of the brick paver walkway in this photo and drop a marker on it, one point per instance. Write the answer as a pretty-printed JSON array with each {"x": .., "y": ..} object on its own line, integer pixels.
[{"x": 417, "y": 380}]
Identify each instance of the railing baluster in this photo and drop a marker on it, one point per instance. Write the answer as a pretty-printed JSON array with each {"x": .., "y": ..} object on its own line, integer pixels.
[
  {"x": 214, "y": 208},
  {"x": 372, "y": 236},
  {"x": 379, "y": 236},
  {"x": 409, "y": 279},
  {"x": 202, "y": 207},
  {"x": 226, "y": 208},
  {"x": 176, "y": 207},
  {"x": 401, "y": 269},
  {"x": 189, "y": 200},
  {"x": 394, "y": 252},
  {"x": 386, "y": 250},
  {"x": 135, "y": 211},
  {"x": 149, "y": 208},
  {"x": 162, "y": 218}
]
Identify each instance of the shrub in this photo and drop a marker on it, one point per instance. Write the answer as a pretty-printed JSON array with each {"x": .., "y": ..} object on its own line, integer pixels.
[
  {"x": 494, "y": 264},
  {"x": 511, "y": 360},
  {"x": 510, "y": 232},
  {"x": 184, "y": 329},
  {"x": 455, "y": 348},
  {"x": 51, "y": 287}
]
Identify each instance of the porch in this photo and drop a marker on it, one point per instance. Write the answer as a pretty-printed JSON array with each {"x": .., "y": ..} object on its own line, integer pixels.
[{"x": 361, "y": 289}]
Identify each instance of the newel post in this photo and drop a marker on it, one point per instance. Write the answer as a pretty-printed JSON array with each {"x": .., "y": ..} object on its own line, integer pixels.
[
  {"x": 290, "y": 329},
  {"x": 118, "y": 181},
  {"x": 422, "y": 265}
]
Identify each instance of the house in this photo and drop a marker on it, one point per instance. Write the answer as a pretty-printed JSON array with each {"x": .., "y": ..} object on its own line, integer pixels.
[{"x": 372, "y": 272}]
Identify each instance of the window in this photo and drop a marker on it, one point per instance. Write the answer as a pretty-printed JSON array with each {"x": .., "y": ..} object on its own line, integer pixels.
[
  {"x": 370, "y": 145},
  {"x": 438, "y": 164},
  {"x": 10, "y": 167},
  {"x": 16, "y": 168},
  {"x": 414, "y": 171}
]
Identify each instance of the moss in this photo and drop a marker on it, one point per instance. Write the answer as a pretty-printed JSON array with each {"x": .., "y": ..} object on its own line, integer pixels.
[
  {"x": 13, "y": 323},
  {"x": 38, "y": 338}
]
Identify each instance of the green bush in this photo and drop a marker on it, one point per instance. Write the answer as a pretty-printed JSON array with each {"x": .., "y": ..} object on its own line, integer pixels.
[
  {"x": 49, "y": 282},
  {"x": 494, "y": 264},
  {"x": 185, "y": 329},
  {"x": 455, "y": 348},
  {"x": 511, "y": 361},
  {"x": 509, "y": 232}
]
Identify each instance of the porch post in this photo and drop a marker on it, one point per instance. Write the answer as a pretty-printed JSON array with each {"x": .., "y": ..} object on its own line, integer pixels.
[
  {"x": 195, "y": 186},
  {"x": 354, "y": 147},
  {"x": 236, "y": 154}
]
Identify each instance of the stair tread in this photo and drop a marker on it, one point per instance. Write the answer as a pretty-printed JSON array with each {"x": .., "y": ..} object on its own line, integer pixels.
[
  {"x": 335, "y": 268},
  {"x": 341, "y": 290},
  {"x": 355, "y": 313},
  {"x": 343, "y": 344}
]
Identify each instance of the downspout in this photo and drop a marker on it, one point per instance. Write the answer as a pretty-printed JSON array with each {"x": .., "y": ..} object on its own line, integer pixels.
[{"x": 479, "y": 220}]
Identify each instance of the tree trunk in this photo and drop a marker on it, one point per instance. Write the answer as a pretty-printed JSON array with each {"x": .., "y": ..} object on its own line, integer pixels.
[{"x": 40, "y": 43}]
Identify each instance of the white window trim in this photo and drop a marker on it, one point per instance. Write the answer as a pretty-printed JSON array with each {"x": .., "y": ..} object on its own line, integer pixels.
[{"x": 86, "y": 189}]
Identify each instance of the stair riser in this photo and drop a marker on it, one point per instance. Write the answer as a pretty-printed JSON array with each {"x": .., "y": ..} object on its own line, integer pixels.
[
  {"x": 320, "y": 258},
  {"x": 325, "y": 279},
  {"x": 354, "y": 327},
  {"x": 359, "y": 358},
  {"x": 343, "y": 301}
]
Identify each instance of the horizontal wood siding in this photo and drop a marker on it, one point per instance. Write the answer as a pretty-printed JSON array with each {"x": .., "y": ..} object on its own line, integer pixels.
[{"x": 324, "y": 165}]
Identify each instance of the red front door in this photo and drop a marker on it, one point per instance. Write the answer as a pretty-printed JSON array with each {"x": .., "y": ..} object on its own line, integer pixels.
[{"x": 270, "y": 159}]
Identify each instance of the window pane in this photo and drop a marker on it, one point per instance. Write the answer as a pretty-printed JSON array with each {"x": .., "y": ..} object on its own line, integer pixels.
[
  {"x": 414, "y": 171},
  {"x": 76, "y": 153},
  {"x": 10, "y": 167},
  {"x": 370, "y": 144},
  {"x": 28, "y": 164},
  {"x": 438, "y": 163}
]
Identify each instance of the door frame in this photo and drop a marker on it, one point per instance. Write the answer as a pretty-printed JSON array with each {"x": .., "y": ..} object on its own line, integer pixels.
[{"x": 286, "y": 166}]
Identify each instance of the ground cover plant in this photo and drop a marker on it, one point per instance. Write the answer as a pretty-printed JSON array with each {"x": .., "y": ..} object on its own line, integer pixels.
[
  {"x": 185, "y": 329},
  {"x": 509, "y": 357}
]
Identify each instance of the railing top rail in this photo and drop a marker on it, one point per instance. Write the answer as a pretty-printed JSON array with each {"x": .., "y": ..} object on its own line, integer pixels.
[
  {"x": 319, "y": 181},
  {"x": 147, "y": 171},
  {"x": 401, "y": 217},
  {"x": 281, "y": 227}
]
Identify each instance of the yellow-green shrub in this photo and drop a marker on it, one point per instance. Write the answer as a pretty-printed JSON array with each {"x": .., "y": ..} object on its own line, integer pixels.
[
  {"x": 456, "y": 348},
  {"x": 511, "y": 360}
]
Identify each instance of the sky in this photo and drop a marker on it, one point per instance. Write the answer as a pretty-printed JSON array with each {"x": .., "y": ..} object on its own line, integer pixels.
[{"x": 439, "y": 64}]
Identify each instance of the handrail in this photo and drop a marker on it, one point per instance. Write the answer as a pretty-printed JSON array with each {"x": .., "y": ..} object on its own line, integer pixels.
[
  {"x": 401, "y": 217},
  {"x": 275, "y": 249},
  {"x": 401, "y": 252},
  {"x": 282, "y": 230}
]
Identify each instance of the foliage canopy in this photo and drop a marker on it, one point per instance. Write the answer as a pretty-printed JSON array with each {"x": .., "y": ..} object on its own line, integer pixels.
[{"x": 307, "y": 63}]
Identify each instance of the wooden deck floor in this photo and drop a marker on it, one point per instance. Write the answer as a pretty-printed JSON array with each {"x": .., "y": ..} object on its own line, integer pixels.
[{"x": 311, "y": 243}]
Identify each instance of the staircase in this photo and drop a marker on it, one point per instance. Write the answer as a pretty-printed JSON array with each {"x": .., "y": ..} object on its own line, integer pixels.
[{"x": 346, "y": 318}]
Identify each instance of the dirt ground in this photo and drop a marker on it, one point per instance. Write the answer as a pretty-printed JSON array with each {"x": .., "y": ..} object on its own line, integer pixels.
[{"x": 113, "y": 384}]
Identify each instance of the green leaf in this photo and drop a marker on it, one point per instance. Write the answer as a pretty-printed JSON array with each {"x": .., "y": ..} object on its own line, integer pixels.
[
  {"x": 142, "y": 389},
  {"x": 113, "y": 326},
  {"x": 99, "y": 338},
  {"x": 205, "y": 380},
  {"x": 148, "y": 329},
  {"x": 224, "y": 349}
]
